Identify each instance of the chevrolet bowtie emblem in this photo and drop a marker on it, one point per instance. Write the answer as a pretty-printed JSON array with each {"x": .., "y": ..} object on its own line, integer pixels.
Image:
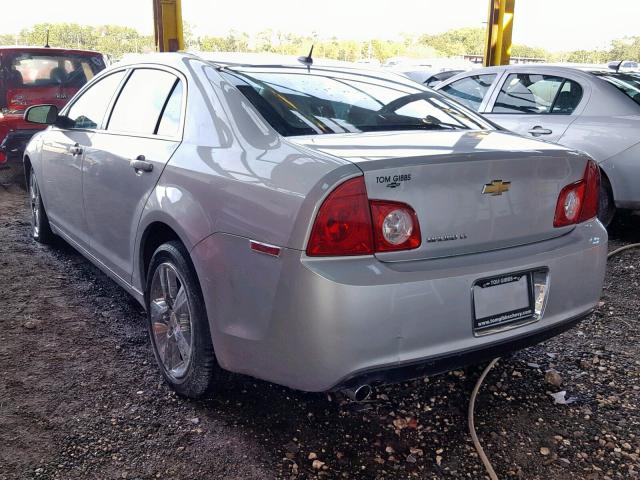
[{"x": 497, "y": 187}]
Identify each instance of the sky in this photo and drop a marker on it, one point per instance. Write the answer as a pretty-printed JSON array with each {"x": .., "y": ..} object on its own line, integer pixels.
[{"x": 553, "y": 24}]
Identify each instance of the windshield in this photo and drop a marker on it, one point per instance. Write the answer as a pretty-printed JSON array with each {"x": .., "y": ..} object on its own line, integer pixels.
[
  {"x": 301, "y": 102},
  {"x": 25, "y": 70},
  {"x": 628, "y": 83}
]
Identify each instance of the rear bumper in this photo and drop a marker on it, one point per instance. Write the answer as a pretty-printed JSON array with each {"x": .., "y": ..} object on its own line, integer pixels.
[
  {"x": 446, "y": 363},
  {"x": 324, "y": 323}
]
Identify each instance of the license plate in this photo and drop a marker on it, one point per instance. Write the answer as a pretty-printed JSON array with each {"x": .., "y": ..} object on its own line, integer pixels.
[{"x": 502, "y": 300}]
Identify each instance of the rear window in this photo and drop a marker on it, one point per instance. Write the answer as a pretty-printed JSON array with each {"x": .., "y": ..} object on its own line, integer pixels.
[
  {"x": 24, "y": 70},
  {"x": 301, "y": 102},
  {"x": 627, "y": 83}
]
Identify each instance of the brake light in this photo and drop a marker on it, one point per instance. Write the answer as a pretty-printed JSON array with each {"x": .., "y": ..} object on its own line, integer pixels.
[
  {"x": 591, "y": 193},
  {"x": 343, "y": 223},
  {"x": 395, "y": 226},
  {"x": 348, "y": 223},
  {"x": 578, "y": 202}
]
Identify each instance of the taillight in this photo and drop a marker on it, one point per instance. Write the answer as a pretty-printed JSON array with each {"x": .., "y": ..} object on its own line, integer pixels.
[
  {"x": 343, "y": 223},
  {"x": 395, "y": 226},
  {"x": 591, "y": 192},
  {"x": 578, "y": 202},
  {"x": 348, "y": 223}
]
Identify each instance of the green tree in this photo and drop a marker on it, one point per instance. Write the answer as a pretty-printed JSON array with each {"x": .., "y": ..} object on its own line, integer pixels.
[
  {"x": 528, "y": 52},
  {"x": 457, "y": 42},
  {"x": 233, "y": 42},
  {"x": 65, "y": 35},
  {"x": 627, "y": 48}
]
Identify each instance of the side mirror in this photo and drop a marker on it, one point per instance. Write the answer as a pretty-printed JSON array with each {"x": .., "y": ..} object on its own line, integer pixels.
[{"x": 42, "y": 114}]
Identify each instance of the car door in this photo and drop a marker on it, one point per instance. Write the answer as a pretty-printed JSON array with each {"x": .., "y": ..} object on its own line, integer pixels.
[
  {"x": 536, "y": 105},
  {"x": 125, "y": 161},
  {"x": 63, "y": 151},
  {"x": 472, "y": 90}
]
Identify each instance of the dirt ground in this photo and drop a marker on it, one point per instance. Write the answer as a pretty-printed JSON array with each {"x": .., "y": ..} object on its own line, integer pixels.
[{"x": 80, "y": 395}]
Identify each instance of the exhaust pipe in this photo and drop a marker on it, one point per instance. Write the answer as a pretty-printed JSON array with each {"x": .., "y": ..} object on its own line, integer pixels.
[{"x": 359, "y": 393}]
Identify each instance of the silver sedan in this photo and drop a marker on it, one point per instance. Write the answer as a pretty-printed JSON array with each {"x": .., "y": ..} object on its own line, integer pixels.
[
  {"x": 317, "y": 227},
  {"x": 589, "y": 109}
]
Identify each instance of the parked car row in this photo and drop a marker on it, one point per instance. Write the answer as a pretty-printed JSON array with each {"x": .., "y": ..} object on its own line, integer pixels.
[
  {"x": 593, "y": 110},
  {"x": 314, "y": 226}
]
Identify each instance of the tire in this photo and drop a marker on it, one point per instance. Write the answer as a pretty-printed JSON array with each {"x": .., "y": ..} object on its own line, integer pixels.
[
  {"x": 178, "y": 323},
  {"x": 607, "y": 206},
  {"x": 40, "y": 228}
]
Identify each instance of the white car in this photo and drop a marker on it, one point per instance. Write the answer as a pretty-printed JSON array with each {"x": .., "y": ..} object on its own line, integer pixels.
[{"x": 596, "y": 111}]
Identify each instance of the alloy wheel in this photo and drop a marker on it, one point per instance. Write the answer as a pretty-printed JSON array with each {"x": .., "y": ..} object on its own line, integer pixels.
[
  {"x": 171, "y": 325},
  {"x": 34, "y": 195}
]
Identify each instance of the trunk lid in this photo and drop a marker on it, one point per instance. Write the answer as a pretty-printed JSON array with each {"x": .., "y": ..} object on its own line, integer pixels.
[
  {"x": 22, "y": 97},
  {"x": 473, "y": 191}
]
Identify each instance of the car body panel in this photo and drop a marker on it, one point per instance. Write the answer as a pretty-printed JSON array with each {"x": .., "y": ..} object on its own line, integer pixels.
[
  {"x": 62, "y": 180},
  {"x": 114, "y": 193},
  {"x": 605, "y": 125},
  {"x": 449, "y": 170},
  {"x": 290, "y": 324},
  {"x": 310, "y": 322}
]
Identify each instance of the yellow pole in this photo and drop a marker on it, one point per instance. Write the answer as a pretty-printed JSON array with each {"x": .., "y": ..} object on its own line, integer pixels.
[
  {"x": 167, "y": 21},
  {"x": 499, "y": 30}
]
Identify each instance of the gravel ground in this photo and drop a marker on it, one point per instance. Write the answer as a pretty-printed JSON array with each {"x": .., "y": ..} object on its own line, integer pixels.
[{"x": 80, "y": 395}]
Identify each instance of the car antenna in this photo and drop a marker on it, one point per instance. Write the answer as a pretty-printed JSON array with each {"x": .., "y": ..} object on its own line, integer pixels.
[
  {"x": 308, "y": 60},
  {"x": 47, "y": 43},
  {"x": 619, "y": 65}
]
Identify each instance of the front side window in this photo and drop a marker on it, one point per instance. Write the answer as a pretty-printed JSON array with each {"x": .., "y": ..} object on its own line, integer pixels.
[
  {"x": 141, "y": 102},
  {"x": 538, "y": 94},
  {"x": 89, "y": 109},
  {"x": 470, "y": 91},
  {"x": 627, "y": 83},
  {"x": 297, "y": 102}
]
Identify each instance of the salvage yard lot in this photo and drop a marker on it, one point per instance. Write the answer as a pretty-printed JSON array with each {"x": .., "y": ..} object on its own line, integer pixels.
[{"x": 81, "y": 397}]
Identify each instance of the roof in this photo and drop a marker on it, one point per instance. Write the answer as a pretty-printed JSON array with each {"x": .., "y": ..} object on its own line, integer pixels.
[
  {"x": 273, "y": 60},
  {"x": 582, "y": 69},
  {"x": 260, "y": 61},
  {"x": 42, "y": 49}
]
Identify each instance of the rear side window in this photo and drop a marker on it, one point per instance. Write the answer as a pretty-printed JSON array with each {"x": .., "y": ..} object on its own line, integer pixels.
[
  {"x": 470, "y": 90},
  {"x": 89, "y": 109},
  {"x": 538, "y": 94},
  {"x": 568, "y": 98},
  {"x": 170, "y": 121},
  {"x": 141, "y": 102}
]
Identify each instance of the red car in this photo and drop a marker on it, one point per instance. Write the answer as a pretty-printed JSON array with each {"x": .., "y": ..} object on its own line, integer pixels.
[{"x": 36, "y": 75}]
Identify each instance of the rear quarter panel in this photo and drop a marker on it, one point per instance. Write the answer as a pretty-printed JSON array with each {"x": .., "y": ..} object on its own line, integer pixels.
[{"x": 233, "y": 174}]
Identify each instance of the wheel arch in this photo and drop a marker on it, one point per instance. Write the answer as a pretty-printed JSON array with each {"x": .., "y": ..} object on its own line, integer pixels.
[
  {"x": 27, "y": 167},
  {"x": 154, "y": 235},
  {"x": 604, "y": 175}
]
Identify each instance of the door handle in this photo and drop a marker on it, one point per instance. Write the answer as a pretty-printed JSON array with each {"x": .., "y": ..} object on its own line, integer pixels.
[
  {"x": 141, "y": 165},
  {"x": 75, "y": 150},
  {"x": 536, "y": 131}
]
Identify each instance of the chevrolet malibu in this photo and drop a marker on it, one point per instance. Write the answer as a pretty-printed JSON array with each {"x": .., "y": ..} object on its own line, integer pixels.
[{"x": 318, "y": 227}]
